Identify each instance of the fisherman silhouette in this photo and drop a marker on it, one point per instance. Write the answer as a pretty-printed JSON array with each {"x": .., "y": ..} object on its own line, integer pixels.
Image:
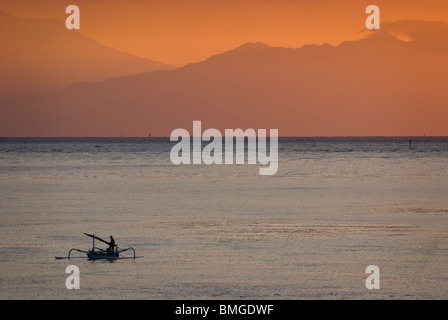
[{"x": 111, "y": 244}]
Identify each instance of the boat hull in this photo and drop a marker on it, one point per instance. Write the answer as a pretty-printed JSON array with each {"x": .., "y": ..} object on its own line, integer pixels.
[{"x": 95, "y": 255}]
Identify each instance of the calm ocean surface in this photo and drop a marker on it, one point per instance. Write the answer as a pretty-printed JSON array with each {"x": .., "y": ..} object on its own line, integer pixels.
[{"x": 335, "y": 206}]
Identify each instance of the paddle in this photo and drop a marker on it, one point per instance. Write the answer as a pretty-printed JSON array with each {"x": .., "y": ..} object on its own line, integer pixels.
[{"x": 95, "y": 237}]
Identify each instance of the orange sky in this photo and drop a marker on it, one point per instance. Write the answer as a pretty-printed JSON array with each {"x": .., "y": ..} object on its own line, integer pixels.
[{"x": 183, "y": 31}]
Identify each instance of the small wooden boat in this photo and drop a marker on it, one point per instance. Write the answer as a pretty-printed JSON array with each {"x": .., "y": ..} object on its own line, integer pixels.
[{"x": 98, "y": 253}]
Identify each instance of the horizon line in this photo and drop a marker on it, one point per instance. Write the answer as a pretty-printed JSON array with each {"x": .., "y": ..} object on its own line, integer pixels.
[{"x": 168, "y": 137}]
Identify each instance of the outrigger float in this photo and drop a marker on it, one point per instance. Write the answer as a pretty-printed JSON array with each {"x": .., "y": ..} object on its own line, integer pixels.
[{"x": 98, "y": 253}]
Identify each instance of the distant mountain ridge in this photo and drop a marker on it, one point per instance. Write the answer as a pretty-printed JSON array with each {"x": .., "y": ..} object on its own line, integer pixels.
[
  {"x": 41, "y": 54},
  {"x": 392, "y": 82}
]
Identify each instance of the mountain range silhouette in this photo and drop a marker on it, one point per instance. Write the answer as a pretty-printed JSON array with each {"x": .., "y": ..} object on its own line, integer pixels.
[
  {"x": 41, "y": 54},
  {"x": 392, "y": 82}
]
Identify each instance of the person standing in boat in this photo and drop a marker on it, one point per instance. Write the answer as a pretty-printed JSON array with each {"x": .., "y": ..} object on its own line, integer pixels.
[{"x": 111, "y": 244}]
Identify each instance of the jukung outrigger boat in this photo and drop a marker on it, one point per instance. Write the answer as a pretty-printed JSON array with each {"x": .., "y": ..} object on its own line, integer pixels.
[{"x": 98, "y": 253}]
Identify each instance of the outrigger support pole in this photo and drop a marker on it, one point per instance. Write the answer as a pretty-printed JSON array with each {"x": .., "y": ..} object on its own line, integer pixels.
[
  {"x": 130, "y": 248},
  {"x": 83, "y": 251}
]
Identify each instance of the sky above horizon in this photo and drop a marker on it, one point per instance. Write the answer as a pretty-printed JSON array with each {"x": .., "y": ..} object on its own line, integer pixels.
[
  {"x": 381, "y": 85},
  {"x": 178, "y": 32}
]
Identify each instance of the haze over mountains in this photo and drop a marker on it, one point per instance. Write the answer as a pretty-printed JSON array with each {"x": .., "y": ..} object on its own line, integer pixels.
[
  {"x": 41, "y": 54},
  {"x": 393, "y": 82}
]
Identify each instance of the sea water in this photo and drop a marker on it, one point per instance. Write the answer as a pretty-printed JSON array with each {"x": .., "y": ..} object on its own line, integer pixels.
[{"x": 335, "y": 207}]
